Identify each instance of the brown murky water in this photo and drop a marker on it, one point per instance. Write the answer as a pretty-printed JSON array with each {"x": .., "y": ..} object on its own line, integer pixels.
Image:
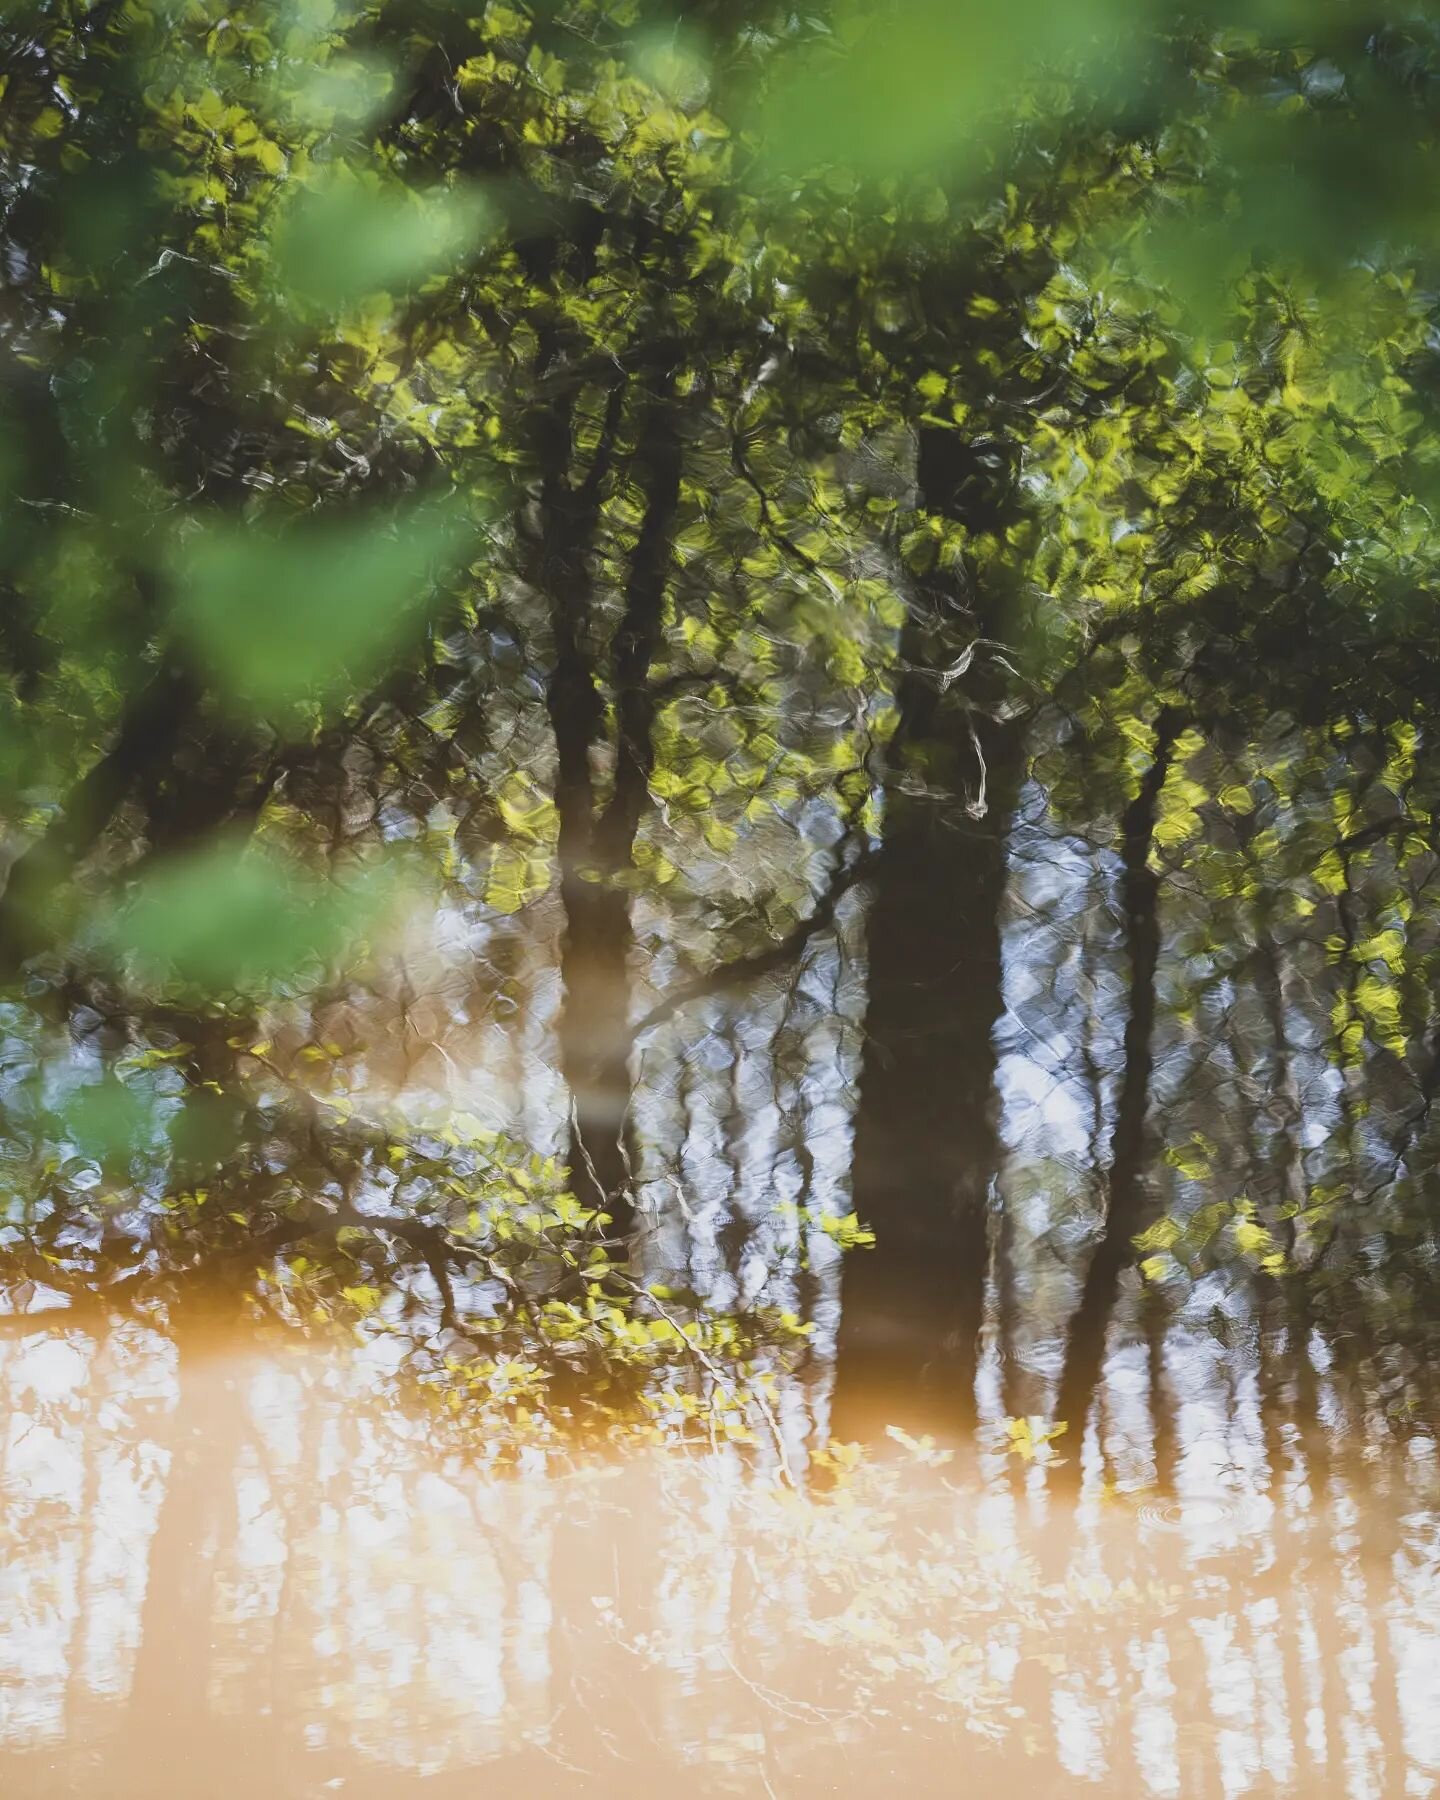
[{"x": 244, "y": 1570}]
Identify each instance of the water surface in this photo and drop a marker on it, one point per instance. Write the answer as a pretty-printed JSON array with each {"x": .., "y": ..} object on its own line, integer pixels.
[{"x": 245, "y": 1565}]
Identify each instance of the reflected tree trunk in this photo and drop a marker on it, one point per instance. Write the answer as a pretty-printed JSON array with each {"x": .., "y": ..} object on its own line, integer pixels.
[
  {"x": 596, "y": 847},
  {"x": 77, "y": 1694},
  {"x": 927, "y": 1143},
  {"x": 1125, "y": 1189},
  {"x": 1164, "y": 1439},
  {"x": 1283, "y": 1099},
  {"x": 927, "y": 1140},
  {"x": 170, "y": 1730},
  {"x": 734, "y": 1235}
]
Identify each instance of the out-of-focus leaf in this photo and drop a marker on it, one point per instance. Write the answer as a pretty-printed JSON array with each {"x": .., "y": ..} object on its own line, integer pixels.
[
  {"x": 675, "y": 65},
  {"x": 279, "y": 616},
  {"x": 109, "y": 1120},
  {"x": 353, "y": 88},
  {"x": 1297, "y": 188},
  {"x": 908, "y": 86},
  {"x": 347, "y": 237},
  {"x": 228, "y": 918}
]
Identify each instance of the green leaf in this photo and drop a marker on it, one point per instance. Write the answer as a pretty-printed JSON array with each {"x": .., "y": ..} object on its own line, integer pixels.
[
  {"x": 346, "y": 238},
  {"x": 279, "y": 616},
  {"x": 232, "y": 918}
]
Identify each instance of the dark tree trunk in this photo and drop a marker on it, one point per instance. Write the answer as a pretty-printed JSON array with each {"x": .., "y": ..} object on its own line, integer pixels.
[
  {"x": 1164, "y": 1440},
  {"x": 1125, "y": 1192},
  {"x": 927, "y": 1144},
  {"x": 927, "y": 1141},
  {"x": 559, "y": 568}
]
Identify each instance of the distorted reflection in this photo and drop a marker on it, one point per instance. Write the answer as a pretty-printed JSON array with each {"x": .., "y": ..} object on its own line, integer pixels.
[
  {"x": 413, "y": 1470},
  {"x": 418, "y": 1472},
  {"x": 719, "y": 899},
  {"x": 238, "y": 1563}
]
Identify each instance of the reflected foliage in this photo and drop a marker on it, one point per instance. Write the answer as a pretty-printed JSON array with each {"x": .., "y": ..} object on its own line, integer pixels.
[
  {"x": 637, "y": 652},
  {"x": 266, "y": 1564}
]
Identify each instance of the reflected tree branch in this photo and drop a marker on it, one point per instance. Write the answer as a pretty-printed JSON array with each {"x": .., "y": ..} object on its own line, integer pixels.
[{"x": 744, "y": 969}]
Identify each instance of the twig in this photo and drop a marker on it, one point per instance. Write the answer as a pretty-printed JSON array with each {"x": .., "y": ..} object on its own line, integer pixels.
[
  {"x": 979, "y": 806},
  {"x": 717, "y": 1374}
]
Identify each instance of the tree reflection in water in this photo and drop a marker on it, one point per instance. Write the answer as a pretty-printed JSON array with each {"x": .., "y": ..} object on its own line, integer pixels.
[
  {"x": 382, "y": 1463},
  {"x": 417, "y": 1474},
  {"x": 240, "y": 1564},
  {"x": 719, "y": 939}
]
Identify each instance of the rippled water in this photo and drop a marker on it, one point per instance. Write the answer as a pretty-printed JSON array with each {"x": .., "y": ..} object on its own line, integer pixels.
[
  {"x": 240, "y": 1568},
  {"x": 297, "y": 1563}
]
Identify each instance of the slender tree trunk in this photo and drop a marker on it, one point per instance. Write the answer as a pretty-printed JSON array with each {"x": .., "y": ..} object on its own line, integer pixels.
[
  {"x": 597, "y": 851},
  {"x": 1125, "y": 1196},
  {"x": 1164, "y": 1439},
  {"x": 559, "y": 568}
]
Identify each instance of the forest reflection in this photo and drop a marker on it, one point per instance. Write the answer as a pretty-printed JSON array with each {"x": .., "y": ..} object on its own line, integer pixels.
[
  {"x": 719, "y": 818},
  {"x": 235, "y": 1569},
  {"x": 276, "y": 1529}
]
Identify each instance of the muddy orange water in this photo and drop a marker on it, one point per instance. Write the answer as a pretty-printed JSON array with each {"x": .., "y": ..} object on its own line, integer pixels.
[{"x": 247, "y": 1571}]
